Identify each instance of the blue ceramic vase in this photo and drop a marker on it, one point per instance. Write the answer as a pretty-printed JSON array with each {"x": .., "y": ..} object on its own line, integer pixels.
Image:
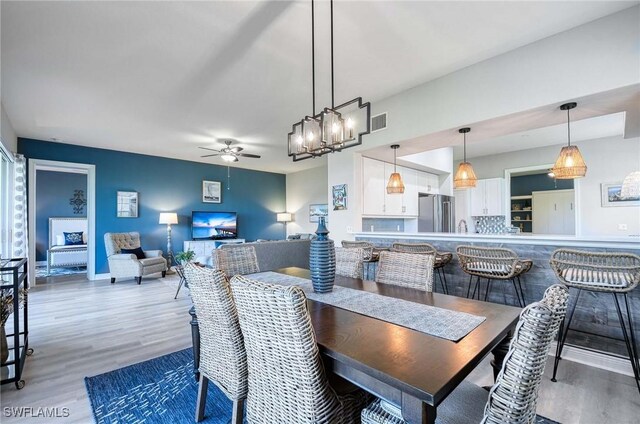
[{"x": 322, "y": 260}]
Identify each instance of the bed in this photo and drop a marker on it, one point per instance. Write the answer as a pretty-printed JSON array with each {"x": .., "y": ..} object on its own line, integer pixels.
[{"x": 61, "y": 255}]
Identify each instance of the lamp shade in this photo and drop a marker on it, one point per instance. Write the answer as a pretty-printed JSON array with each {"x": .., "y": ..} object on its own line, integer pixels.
[
  {"x": 284, "y": 217},
  {"x": 631, "y": 186},
  {"x": 569, "y": 164},
  {"x": 465, "y": 177},
  {"x": 395, "y": 184},
  {"x": 168, "y": 218}
]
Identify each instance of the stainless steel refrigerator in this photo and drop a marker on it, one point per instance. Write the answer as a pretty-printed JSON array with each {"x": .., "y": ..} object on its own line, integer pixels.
[{"x": 436, "y": 213}]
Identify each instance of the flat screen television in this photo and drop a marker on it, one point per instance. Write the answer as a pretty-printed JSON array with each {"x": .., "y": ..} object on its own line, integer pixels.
[{"x": 213, "y": 225}]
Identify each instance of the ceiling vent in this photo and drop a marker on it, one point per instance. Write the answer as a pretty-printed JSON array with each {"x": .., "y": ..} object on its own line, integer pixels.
[{"x": 379, "y": 122}]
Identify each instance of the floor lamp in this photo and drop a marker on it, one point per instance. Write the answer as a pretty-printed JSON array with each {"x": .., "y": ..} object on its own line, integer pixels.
[
  {"x": 169, "y": 218},
  {"x": 284, "y": 217}
]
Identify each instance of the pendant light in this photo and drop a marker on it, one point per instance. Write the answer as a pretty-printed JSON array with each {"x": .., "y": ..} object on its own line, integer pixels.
[
  {"x": 570, "y": 163},
  {"x": 395, "y": 184},
  {"x": 465, "y": 177},
  {"x": 631, "y": 186}
]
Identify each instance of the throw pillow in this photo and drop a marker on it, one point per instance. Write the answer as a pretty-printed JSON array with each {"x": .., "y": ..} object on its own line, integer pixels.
[
  {"x": 294, "y": 237},
  {"x": 73, "y": 239},
  {"x": 137, "y": 251}
]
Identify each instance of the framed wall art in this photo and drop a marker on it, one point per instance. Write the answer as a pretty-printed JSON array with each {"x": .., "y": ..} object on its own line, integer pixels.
[
  {"x": 211, "y": 192},
  {"x": 339, "y": 197},
  {"x": 611, "y": 196},
  {"x": 317, "y": 210},
  {"x": 127, "y": 204}
]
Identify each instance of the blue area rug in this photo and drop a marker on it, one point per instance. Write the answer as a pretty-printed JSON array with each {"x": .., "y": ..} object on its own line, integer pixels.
[{"x": 161, "y": 390}]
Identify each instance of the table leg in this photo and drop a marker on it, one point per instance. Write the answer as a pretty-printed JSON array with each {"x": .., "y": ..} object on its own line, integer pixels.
[
  {"x": 415, "y": 411},
  {"x": 195, "y": 339},
  {"x": 499, "y": 353}
]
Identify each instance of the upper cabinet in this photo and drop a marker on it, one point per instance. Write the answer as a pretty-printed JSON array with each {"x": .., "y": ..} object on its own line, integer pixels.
[
  {"x": 428, "y": 183},
  {"x": 487, "y": 198},
  {"x": 376, "y": 201}
]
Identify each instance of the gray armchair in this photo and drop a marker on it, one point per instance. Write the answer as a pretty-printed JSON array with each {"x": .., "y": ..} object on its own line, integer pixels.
[{"x": 128, "y": 265}]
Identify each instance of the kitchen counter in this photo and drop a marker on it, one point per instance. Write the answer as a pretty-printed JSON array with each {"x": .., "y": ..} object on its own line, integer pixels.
[
  {"x": 629, "y": 242},
  {"x": 590, "y": 317}
]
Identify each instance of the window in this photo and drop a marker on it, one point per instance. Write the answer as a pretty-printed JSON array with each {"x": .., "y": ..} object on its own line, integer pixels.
[{"x": 6, "y": 187}]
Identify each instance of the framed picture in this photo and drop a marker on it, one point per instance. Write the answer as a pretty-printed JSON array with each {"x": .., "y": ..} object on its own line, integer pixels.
[
  {"x": 340, "y": 197},
  {"x": 611, "y": 196},
  {"x": 317, "y": 210},
  {"x": 211, "y": 192},
  {"x": 127, "y": 204}
]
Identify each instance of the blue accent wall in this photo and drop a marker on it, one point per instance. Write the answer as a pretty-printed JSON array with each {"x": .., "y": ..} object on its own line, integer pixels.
[
  {"x": 54, "y": 191},
  {"x": 525, "y": 184},
  {"x": 164, "y": 185}
]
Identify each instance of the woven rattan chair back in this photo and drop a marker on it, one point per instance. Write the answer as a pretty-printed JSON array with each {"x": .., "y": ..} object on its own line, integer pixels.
[
  {"x": 364, "y": 245},
  {"x": 489, "y": 262},
  {"x": 513, "y": 397},
  {"x": 349, "y": 262},
  {"x": 222, "y": 353},
  {"x": 406, "y": 270},
  {"x": 597, "y": 271},
  {"x": 413, "y": 248},
  {"x": 236, "y": 260},
  {"x": 287, "y": 382}
]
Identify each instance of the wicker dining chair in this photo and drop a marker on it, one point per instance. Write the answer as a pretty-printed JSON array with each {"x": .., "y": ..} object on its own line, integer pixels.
[
  {"x": 349, "y": 262},
  {"x": 440, "y": 261},
  {"x": 406, "y": 270},
  {"x": 287, "y": 381},
  {"x": 602, "y": 272},
  {"x": 223, "y": 359},
  {"x": 493, "y": 263},
  {"x": 513, "y": 398},
  {"x": 370, "y": 258},
  {"x": 236, "y": 260}
]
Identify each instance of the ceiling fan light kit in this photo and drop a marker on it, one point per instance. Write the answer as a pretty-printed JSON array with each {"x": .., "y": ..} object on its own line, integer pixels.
[
  {"x": 328, "y": 131},
  {"x": 228, "y": 153}
]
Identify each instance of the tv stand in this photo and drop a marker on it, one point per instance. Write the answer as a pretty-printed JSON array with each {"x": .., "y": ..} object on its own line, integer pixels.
[{"x": 204, "y": 248}]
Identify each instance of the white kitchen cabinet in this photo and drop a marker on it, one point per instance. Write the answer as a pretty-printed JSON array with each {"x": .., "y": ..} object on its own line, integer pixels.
[
  {"x": 487, "y": 198},
  {"x": 373, "y": 186},
  {"x": 428, "y": 183},
  {"x": 410, "y": 196},
  {"x": 553, "y": 212}
]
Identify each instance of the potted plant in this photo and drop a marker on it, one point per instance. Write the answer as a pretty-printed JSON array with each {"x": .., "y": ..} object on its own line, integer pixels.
[{"x": 184, "y": 258}]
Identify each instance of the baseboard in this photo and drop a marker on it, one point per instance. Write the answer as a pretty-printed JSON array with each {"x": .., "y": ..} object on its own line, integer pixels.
[
  {"x": 105, "y": 276},
  {"x": 596, "y": 359}
]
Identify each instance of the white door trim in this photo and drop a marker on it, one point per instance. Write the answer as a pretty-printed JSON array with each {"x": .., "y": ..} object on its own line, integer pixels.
[{"x": 84, "y": 168}]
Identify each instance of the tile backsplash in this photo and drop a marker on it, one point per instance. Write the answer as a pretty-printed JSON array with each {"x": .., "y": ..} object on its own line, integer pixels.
[
  {"x": 495, "y": 224},
  {"x": 383, "y": 224}
]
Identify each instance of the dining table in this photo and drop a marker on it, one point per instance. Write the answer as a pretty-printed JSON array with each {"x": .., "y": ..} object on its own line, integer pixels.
[{"x": 414, "y": 370}]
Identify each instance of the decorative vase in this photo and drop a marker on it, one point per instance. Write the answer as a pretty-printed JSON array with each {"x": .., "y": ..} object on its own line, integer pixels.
[
  {"x": 4, "y": 347},
  {"x": 322, "y": 260}
]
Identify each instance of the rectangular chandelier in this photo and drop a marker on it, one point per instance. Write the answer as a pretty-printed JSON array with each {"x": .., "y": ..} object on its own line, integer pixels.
[{"x": 329, "y": 131}]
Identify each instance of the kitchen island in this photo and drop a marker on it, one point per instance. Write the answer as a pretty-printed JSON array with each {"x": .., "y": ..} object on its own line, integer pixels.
[{"x": 595, "y": 315}]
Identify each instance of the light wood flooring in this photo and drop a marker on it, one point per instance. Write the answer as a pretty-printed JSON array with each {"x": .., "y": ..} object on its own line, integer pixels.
[{"x": 82, "y": 328}]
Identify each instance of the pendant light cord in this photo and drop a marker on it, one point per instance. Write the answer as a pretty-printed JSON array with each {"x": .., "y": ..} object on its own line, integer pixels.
[
  {"x": 464, "y": 146},
  {"x": 333, "y": 104},
  {"x": 569, "y": 127},
  {"x": 313, "y": 60},
  {"x": 394, "y": 160}
]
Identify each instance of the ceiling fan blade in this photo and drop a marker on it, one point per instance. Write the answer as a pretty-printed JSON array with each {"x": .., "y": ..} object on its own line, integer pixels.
[
  {"x": 206, "y": 148},
  {"x": 249, "y": 155},
  {"x": 208, "y": 156},
  {"x": 236, "y": 149}
]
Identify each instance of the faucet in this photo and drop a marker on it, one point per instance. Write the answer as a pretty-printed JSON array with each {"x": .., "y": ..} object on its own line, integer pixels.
[{"x": 461, "y": 224}]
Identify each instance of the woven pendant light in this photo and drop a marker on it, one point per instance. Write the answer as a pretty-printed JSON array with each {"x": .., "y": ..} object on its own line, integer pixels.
[
  {"x": 631, "y": 186},
  {"x": 395, "y": 184},
  {"x": 465, "y": 177},
  {"x": 570, "y": 163}
]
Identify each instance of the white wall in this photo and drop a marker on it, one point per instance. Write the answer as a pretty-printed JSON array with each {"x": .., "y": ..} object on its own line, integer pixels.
[
  {"x": 345, "y": 168},
  {"x": 608, "y": 160},
  {"x": 7, "y": 134},
  {"x": 305, "y": 188}
]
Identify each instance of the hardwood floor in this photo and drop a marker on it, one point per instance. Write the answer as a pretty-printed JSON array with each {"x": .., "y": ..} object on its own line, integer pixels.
[{"x": 82, "y": 328}]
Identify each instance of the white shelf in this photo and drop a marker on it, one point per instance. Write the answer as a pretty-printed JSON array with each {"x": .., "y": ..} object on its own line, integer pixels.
[{"x": 521, "y": 197}]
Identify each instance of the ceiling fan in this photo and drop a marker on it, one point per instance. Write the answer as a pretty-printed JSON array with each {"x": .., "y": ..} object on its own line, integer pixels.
[{"x": 229, "y": 154}]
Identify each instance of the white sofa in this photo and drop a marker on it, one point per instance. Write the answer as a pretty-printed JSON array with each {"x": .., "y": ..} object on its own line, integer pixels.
[{"x": 123, "y": 265}]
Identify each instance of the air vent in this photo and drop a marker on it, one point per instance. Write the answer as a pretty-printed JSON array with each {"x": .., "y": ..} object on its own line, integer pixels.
[{"x": 379, "y": 122}]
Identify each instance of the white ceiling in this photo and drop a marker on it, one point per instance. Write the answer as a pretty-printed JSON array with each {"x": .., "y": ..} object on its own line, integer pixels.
[{"x": 163, "y": 78}]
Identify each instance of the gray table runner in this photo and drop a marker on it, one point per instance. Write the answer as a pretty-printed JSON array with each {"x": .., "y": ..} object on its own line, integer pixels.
[{"x": 438, "y": 322}]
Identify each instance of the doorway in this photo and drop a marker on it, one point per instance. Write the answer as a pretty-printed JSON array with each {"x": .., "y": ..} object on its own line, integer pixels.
[{"x": 61, "y": 221}]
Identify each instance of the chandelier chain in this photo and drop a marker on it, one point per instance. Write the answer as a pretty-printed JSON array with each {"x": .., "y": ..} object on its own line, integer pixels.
[
  {"x": 333, "y": 103},
  {"x": 313, "y": 59}
]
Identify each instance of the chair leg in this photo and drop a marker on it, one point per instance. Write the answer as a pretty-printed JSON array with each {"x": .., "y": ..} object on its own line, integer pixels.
[
  {"x": 237, "y": 411},
  {"x": 513, "y": 281},
  {"x": 139, "y": 279},
  {"x": 164, "y": 274},
  {"x": 179, "y": 287},
  {"x": 202, "y": 398},
  {"x": 521, "y": 291},
  {"x": 469, "y": 287},
  {"x": 444, "y": 281},
  {"x": 627, "y": 340},
  {"x": 113, "y": 280},
  {"x": 631, "y": 331},
  {"x": 473, "y": 295},
  {"x": 562, "y": 337},
  {"x": 486, "y": 293},
  {"x": 440, "y": 273}
]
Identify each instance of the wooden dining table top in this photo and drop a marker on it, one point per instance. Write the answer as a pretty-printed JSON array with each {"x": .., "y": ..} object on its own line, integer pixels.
[{"x": 424, "y": 366}]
